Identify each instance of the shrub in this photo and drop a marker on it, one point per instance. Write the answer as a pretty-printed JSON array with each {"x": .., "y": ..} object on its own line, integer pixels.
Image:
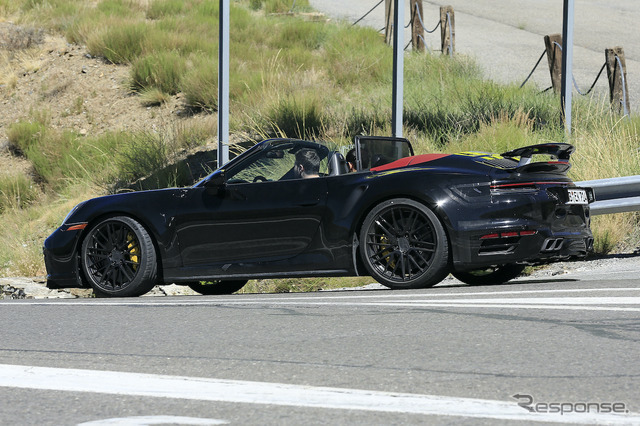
[
  {"x": 162, "y": 71},
  {"x": 16, "y": 192},
  {"x": 365, "y": 121},
  {"x": 309, "y": 35},
  {"x": 200, "y": 85},
  {"x": 60, "y": 157},
  {"x": 297, "y": 117},
  {"x": 24, "y": 134},
  {"x": 279, "y": 6},
  {"x": 358, "y": 56},
  {"x": 161, "y": 8},
  {"x": 119, "y": 44},
  {"x": 153, "y": 97},
  {"x": 15, "y": 37},
  {"x": 148, "y": 163}
]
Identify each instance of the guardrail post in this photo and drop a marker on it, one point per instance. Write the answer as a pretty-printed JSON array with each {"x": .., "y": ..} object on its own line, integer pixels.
[
  {"x": 617, "y": 73},
  {"x": 388, "y": 21},
  {"x": 447, "y": 30},
  {"x": 417, "y": 30},
  {"x": 554, "y": 57}
]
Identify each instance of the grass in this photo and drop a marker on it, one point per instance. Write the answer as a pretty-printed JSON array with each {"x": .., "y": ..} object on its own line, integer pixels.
[
  {"x": 162, "y": 71},
  {"x": 297, "y": 285},
  {"x": 16, "y": 192},
  {"x": 289, "y": 76}
]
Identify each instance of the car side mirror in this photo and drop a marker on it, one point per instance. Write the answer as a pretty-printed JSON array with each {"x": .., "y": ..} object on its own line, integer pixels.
[{"x": 216, "y": 182}]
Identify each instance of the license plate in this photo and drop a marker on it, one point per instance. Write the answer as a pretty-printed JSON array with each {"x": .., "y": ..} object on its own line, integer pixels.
[{"x": 577, "y": 196}]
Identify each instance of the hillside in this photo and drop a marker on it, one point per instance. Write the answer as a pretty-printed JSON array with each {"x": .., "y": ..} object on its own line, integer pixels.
[
  {"x": 80, "y": 117},
  {"x": 77, "y": 92}
]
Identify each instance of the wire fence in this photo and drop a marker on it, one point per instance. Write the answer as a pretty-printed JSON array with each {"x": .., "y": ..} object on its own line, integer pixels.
[
  {"x": 367, "y": 14},
  {"x": 624, "y": 100},
  {"x": 415, "y": 13}
]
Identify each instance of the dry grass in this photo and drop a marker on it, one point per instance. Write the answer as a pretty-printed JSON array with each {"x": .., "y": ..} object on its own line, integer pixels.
[
  {"x": 297, "y": 285},
  {"x": 288, "y": 76},
  {"x": 24, "y": 231},
  {"x": 14, "y": 62}
]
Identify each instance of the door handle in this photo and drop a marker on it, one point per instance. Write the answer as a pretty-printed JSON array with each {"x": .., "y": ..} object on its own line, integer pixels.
[{"x": 308, "y": 203}]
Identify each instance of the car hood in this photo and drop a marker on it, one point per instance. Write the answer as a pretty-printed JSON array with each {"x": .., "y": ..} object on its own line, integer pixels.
[{"x": 160, "y": 202}]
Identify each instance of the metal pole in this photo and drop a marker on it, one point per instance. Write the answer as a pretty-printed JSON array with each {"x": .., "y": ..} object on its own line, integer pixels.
[
  {"x": 567, "y": 65},
  {"x": 223, "y": 84},
  {"x": 398, "y": 68}
]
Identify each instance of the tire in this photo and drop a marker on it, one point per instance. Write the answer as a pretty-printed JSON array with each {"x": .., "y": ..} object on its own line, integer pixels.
[
  {"x": 490, "y": 276},
  {"x": 118, "y": 258},
  {"x": 216, "y": 287},
  {"x": 403, "y": 245}
]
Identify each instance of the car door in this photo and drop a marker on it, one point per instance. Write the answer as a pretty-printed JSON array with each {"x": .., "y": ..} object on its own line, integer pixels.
[{"x": 249, "y": 220}]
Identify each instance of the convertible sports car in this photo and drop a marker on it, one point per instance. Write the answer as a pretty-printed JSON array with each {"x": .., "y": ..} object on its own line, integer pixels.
[{"x": 405, "y": 220}]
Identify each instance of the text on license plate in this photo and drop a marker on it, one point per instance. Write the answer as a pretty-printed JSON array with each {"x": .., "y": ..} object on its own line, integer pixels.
[{"x": 577, "y": 196}]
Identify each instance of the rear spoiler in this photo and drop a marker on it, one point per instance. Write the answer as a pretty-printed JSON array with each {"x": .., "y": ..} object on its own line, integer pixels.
[{"x": 560, "y": 151}]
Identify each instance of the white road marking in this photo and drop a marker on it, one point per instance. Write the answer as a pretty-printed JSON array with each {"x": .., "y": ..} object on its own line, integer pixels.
[
  {"x": 236, "y": 391},
  {"x": 532, "y": 299},
  {"x": 155, "y": 420}
]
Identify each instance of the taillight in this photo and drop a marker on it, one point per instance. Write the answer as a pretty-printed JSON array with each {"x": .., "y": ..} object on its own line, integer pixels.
[
  {"x": 508, "y": 234},
  {"x": 523, "y": 187}
]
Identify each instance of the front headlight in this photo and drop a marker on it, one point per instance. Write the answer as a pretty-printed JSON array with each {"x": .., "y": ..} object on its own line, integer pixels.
[{"x": 72, "y": 211}]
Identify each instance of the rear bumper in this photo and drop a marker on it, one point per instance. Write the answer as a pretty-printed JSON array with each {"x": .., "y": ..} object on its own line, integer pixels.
[
  {"x": 544, "y": 247},
  {"x": 499, "y": 242}
]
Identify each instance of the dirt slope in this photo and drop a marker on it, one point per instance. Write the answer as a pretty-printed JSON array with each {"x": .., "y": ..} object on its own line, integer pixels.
[{"x": 76, "y": 91}]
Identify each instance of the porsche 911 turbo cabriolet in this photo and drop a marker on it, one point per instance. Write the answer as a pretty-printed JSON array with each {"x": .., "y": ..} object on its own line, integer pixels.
[{"x": 294, "y": 208}]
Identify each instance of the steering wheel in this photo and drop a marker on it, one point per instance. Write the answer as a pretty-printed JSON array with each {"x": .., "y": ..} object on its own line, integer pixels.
[{"x": 260, "y": 179}]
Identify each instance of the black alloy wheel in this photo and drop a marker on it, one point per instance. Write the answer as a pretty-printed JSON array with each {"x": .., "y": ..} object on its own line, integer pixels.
[
  {"x": 403, "y": 245},
  {"x": 119, "y": 258},
  {"x": 492, "y": 275},
  {"x": 216, "y": 287}
]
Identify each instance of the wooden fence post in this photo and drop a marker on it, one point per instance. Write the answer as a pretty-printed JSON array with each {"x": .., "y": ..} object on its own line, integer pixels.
[
  {"x": 417, "y": 30},
  {"x": 388, "y": 21},
  {"x": 553, "y": 45},
  {"x": 618, "y": 87},
  {"x": 447, "y": 30}
]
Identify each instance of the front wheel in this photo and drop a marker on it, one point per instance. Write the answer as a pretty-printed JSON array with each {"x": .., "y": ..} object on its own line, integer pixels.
[
  {"x": 119, "y": 258},
  {"x": 216, "y": 287},
  {"x": 499, "y": 274},
  {"x": 403, "y": 245}
]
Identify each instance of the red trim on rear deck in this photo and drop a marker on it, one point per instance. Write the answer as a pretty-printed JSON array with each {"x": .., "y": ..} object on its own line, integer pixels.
[{"x": 409, "y": 161}]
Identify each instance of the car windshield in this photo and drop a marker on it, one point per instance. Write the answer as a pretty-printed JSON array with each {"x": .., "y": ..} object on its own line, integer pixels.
[{"x": 274, "y": 160}]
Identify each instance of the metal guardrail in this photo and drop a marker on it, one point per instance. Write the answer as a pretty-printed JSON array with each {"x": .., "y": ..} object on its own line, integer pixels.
[{"x": 614, "y": 195}]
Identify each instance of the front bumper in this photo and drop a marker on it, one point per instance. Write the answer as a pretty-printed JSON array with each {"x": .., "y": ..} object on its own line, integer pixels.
[{"x": 61, "y": 259}]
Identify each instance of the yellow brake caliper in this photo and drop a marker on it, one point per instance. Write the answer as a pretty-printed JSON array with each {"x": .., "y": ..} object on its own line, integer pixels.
[
  {"x": 385, "y": 253},
  {"x": 134, "y": 250}
]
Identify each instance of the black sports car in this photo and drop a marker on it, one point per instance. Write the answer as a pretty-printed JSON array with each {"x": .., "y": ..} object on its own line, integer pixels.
[{"x": 293, "y": 208}]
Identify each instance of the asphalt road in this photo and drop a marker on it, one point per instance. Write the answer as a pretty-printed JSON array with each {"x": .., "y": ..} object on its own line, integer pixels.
[
  {"x": 507, "y": 38},
  {"x": 452, "y": 354}
]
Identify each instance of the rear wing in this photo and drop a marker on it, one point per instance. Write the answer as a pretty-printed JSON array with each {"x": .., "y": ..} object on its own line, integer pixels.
[{"x": 560, "y": 151}]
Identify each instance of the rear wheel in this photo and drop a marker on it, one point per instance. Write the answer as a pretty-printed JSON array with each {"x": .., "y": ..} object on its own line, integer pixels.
[
  {"x": 215, "y": 287},
  {"x": 499, "y": 274},
  {"x": 403, "y": 245},
  {"x": 118, "y": 258}
]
